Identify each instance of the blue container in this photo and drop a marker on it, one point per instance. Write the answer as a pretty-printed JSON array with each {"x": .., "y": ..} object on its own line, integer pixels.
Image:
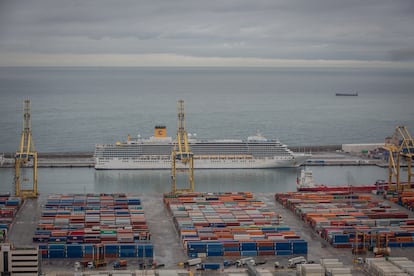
[
  {"x": 197, "y": 244},
  {"x": 56, "y": 247},
  {"x": 264, "y": 248},
  {"x": 87, "y": 249},
  {"x": 300, "y": 251},
  {"x": 74, "y": 254},
  {"x": 249, "y": 246},
  {"x": 214, "y": 250},
  {"x": 198, "y": 247},
  {"x": 269, "y": 229},
  {"x": 111, "y": 248},
  {"x": 298, "y": 244},
  {"x": 282, "y": 228},
  {"x": 127, "y": 253},
  {"x": 42, "y": 232},
  {"x": 189, "y": 236},
  {"x": 217, "y": 224},
  {"x": 212, "y": 198},
  {"x": 214, "y": 253},
  {"x": 394, "y": 244},
  {"x": 283, "y": 245},
  {"x": 235, "y": 248},
  {"x": 340, "y": 238},
  {"x": 57, "y": 253},
  {"x": 74, "y": 247},
  {"x": 214, "y": 244},
  {"x": 145, "y": 250},
  {"x": 127, "y": 247},
  {"x": 283, "y": 252},
  {"x": 248, "y": 253},
  {"x": 213, "y": 266}
]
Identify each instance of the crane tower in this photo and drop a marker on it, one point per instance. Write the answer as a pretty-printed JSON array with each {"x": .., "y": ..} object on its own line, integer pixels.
[
  {"x": 400, "y": 148},
  {"x": 26, "y": 156},
  {"x": 181, "y": 156}
]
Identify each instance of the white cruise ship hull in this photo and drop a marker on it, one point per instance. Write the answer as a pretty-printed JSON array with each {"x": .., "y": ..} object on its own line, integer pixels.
[
  {"x": 164, "y": 163},
  {"x": 256, "y": 152}
]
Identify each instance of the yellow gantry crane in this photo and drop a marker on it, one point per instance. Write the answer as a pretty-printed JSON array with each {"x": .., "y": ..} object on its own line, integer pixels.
[
  {"x": 401, "y": 146},
  {"x": 26, "y": 156},
  {"x": 182, "y": 155}
]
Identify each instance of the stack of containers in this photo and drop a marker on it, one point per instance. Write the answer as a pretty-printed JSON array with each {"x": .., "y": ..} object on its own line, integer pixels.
[
  {"x": 309, "y": 270},
  {"x": 335, "y": 267},
  {"x": 72, "y": 224},
  {"x": 403, "y": 263},
  {"x": 230, "y": 224},
  {"x": 8, "y": 209},
  {"x": 340, "y": 217},
  {"x": 381, "y": 267},
  {"x": 405, "y": 199}
]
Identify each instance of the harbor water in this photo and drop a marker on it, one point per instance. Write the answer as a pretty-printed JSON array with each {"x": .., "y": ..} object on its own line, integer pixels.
[{"x": 88, "y": 180}]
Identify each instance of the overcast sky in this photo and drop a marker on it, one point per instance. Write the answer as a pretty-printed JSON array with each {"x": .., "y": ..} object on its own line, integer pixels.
[{"x": 312, "y": 33}]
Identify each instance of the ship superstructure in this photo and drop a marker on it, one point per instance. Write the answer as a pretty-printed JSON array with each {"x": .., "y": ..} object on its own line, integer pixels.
[{"x": 155, "y": 153}]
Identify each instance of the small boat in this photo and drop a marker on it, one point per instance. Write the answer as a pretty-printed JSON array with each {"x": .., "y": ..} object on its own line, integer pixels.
[
  {"x": 305, "y": 183},
  {"x": 347, "y": 94}
]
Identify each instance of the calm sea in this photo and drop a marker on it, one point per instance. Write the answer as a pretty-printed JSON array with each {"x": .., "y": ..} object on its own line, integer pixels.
[
  {"x": 87, "y": 180},
  {"x": 75, "y": 108}
]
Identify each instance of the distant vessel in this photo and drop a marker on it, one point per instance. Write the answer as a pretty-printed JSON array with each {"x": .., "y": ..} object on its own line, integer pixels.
[
  {"x": 347, "y": 94},
  {"x": 306, "y": 184},
  {"x": 155, "y": 153}
]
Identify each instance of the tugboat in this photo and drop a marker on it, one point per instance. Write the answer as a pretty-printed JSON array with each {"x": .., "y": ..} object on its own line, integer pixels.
[{"x": 305, "y": 183}]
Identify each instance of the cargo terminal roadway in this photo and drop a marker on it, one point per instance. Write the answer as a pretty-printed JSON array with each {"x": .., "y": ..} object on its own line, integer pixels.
[{"x": 168, "y": 248}]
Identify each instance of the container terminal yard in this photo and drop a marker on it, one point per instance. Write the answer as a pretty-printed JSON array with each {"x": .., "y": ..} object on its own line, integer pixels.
[
  {"x": 168, "y": 239},
  {"x": 186, "y": 232}
]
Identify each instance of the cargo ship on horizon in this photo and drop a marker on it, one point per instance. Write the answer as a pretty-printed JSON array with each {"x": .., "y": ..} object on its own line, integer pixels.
[
  {"x": 256, "y": 152},
  {"x": 347, "y": 94}
]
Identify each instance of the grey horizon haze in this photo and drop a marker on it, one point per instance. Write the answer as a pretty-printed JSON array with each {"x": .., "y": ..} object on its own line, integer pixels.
[{"x": 296, "y": 33}]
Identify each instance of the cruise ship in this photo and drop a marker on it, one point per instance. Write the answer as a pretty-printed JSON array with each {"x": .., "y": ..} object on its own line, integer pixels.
[{"x": 155, "y": 153}]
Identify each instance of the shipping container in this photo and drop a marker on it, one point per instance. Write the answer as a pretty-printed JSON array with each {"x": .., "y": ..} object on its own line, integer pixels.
[{"x": 228, "y": 224}]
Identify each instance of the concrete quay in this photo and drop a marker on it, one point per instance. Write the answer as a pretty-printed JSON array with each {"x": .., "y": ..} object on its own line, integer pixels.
[{"x": 86, "y": 159}]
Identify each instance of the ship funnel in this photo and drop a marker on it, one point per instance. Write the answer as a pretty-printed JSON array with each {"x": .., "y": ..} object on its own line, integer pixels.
[{"x": 160, "y": 131}]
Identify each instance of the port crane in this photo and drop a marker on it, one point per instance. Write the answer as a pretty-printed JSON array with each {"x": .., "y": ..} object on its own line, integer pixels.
[
  {"x": 182, "y": 157},
  {"x": 26, "y": 156},
  {"x": 400, "y": 147}
]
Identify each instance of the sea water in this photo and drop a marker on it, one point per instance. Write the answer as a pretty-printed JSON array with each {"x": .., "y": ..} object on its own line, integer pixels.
[{"x": 75, "y": 108}]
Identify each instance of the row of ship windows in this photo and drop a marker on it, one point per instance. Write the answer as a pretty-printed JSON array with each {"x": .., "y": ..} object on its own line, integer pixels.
[
  {"x": 199, "y": 150},
  {"x": 216, "y": 159},
  {"x": 128, "y": 156},
  {"x": 213, "y": 161}
]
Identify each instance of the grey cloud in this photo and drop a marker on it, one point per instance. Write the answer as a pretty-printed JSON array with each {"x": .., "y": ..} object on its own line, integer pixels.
[{"x": 296, "y": 29}]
